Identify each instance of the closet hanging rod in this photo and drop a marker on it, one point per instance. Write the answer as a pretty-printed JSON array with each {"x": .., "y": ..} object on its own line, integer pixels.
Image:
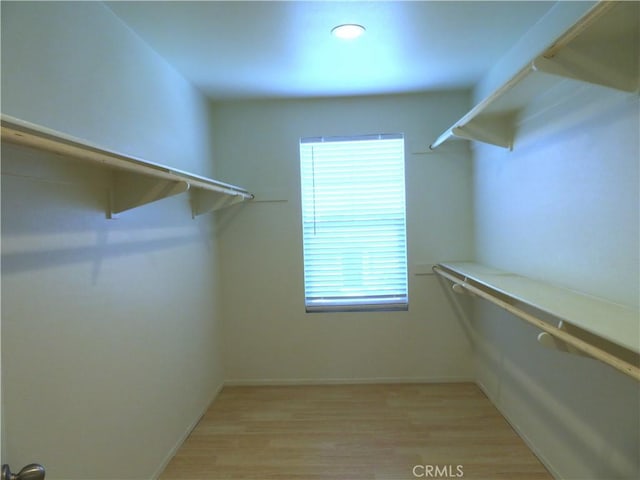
[
  {"x": 589, "y": 349},
  {"x": 28, "y": 134}
]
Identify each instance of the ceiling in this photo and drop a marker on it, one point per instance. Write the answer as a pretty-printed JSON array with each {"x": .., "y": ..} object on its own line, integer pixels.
[{"x": 279, "y": 49}]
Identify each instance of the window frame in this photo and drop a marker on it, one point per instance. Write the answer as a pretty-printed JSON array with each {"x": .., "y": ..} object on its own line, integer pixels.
[{"x": 362, "y": 303}]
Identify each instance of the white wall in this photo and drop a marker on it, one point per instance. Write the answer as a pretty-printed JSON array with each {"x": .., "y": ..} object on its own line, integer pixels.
[
  {"x": 109, "y": 327},
  {"x": 268, "y": 335},
  {"x": 562, "y": 207}
]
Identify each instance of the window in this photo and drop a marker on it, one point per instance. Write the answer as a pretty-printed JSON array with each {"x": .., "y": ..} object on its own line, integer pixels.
[{"x": 353, "y": 215}]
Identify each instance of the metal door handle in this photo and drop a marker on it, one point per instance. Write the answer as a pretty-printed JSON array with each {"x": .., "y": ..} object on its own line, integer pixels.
[{"x": 33, "y": 471}]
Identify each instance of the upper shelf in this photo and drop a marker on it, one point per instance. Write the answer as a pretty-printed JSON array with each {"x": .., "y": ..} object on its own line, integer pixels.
[
  {"x": 602, "y": 48},
  {"x": 136, "y": 182}
]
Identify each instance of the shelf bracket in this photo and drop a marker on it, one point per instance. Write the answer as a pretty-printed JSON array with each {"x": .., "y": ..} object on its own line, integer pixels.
[
  {"x": 495, "y": 129},
  {"x": 205, "y": 201},
  {"x": 603, "y": 48},
  {"x": 131, "y": 190},
  {"x": 555, "y": 343},
  {"x": 460, "y": 290},
  {"x": 584, "y": 68}
]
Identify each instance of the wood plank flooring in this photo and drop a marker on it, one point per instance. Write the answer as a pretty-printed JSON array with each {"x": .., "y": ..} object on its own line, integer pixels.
[{"x": 354, "y": 432}]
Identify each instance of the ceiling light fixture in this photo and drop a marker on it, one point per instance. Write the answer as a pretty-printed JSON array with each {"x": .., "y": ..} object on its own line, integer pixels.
[{"x": 348, "y": 31}]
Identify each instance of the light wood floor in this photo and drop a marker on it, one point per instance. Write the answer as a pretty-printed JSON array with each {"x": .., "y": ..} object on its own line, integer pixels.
[{"x": 354, "y": 432}]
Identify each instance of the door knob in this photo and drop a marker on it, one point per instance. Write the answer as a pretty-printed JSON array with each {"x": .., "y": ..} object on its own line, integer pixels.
[{"x": 33, "y": 471}]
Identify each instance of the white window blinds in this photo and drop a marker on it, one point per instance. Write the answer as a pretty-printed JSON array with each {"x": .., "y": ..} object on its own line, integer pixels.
[{"x": 353, "y": 214}]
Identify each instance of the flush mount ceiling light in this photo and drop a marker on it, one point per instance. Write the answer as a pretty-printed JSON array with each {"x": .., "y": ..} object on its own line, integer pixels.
[{"x": 348, "y": 31}]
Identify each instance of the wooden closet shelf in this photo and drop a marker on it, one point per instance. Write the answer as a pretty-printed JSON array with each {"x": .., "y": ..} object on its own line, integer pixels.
[
  {"x": 603, "y": 330},
  {"x": 602, "y": 48},
  {"x": 136, "y": 182}
]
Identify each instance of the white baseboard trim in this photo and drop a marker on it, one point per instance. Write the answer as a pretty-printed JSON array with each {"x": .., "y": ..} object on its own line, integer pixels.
[
  {"x": 536, "y": 451},
  {"x": 185, "y": 435},
  {"x": 342, "y": 381}
]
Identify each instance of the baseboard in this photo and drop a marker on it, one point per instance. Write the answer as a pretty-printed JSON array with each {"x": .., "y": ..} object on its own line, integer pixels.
[
  {"x": 343, "y": 381},
  {"x": 185, "y": 435},
  {"x": 539, "y": 455}
]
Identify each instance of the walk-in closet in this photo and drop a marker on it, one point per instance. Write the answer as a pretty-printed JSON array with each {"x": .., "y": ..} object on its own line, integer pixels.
[{"x": 320, "y": 240}]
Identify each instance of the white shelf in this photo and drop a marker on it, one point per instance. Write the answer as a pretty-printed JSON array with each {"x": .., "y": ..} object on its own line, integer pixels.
[
  {"x": 602, "y": 48},
  {"x": 613, "y": 322},
  {"x": 136, "y": 182}
]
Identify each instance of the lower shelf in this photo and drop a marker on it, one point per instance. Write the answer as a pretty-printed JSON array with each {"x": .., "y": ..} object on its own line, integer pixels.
[{"x": 596, "y": 327}]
